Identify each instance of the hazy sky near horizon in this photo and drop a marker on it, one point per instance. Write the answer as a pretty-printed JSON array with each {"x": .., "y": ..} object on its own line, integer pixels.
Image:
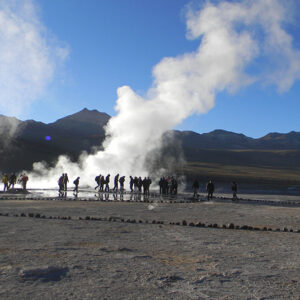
[{"x": 96, "y": 46}]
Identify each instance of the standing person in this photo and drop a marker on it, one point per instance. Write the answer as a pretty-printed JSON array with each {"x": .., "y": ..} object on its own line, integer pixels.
[
  {"x": 161, "y": 184},
  {"x": 196, "y": 188},
  {"x": 149, "y": 183},
  {"x": 122, "y": 180},
  {"x": 61, "y": 185},
  {"x": 140, "y": 184},
  {"x": 165, "y": 186},
  {"x": 76, "y": 183},
  {"x": 5, "y": 182},
  {"x": 210, "y": 190},
  {"x": 107, "y": 179},
  {"x": 102, "y": 181},
  {"x": 12, "y": 180},
  {"x": 66, "y": 180},
  {"x": 175, "y": 186},
  {"x": 131, "y": 183},
  {"x": 24, "y": 181},
  {"x": 135, "y": 183},
  {"x": 234, "y": 190},
  {"x": 146, "y": 184},
  {"x": 116, "y": 183},
  {"x": 168, "y": 185}
]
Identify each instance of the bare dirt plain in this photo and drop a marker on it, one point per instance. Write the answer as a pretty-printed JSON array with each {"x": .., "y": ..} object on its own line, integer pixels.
[{"x": 98, "y": 259}]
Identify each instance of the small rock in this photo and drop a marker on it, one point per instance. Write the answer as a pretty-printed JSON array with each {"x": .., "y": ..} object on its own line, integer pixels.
[
  {"x": 45, "y": 273},
  {"x": 231, "y": 226}
]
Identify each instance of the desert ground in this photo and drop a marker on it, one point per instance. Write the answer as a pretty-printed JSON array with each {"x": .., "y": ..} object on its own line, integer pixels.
[{"x": 157, "y": 248}]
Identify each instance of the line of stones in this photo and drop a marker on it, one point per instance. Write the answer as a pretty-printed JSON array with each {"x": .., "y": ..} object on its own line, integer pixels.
[
  {"x": 268, "y": 202},
  {"x": 90, "y": 200},
  {"x": 134, "y": 221}
]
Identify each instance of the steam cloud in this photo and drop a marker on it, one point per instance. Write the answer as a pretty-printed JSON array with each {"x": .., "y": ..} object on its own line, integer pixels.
[
  {"x": 232, "y": 35},
  {"x": 29, "y": 56}
]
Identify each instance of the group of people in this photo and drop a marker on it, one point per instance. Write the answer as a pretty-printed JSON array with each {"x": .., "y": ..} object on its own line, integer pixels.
[
  {"x": 210, "y": 188},
  {"x": 103, "y": 182},
  {"x": 168, "y": 186},
  {"x": 136, "y": 184},
  {"x": 63, "y": 185},
  {"x": 10, "y": 181}
]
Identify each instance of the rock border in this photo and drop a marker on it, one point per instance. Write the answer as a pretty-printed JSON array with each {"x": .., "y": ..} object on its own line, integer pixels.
[{"x": 230, "y": 226}]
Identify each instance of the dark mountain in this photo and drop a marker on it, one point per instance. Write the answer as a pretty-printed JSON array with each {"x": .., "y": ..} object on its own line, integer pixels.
[
  {"x": 279, "y": 141},
  {"x": 35, "y": 141},
  {"x": 86, "y": 116},
  {"x": 84, "y": 123},
  {"x": 83, "y": 131},
  {"x": 217, "y": 139},
  {"x": 221, "y": 139},
  {"x": 74, "y": 133},
  {"x": 8, "y": 120}
]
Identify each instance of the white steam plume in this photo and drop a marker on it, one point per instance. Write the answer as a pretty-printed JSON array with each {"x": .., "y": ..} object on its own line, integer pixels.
[
  {"x": 28, "y": 56},
  {"x": 232, "y": 36}
]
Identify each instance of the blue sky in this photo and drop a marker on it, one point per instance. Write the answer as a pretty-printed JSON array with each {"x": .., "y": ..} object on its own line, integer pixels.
[{"x": 117, "y": 42}]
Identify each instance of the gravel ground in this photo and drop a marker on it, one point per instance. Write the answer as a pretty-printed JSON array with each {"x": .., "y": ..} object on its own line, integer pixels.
[{"x": 82, "y": 259}]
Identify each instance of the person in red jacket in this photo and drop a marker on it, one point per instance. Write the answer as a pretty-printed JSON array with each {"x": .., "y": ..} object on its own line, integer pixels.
[{"x": 24, "y": 180}]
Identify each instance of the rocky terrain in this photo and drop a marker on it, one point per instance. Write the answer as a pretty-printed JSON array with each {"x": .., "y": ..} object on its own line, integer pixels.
[{"x": 78, "y": 249}]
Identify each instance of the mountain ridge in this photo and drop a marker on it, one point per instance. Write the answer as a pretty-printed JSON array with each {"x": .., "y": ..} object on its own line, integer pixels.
[
  {"x": 84, "y": 131},
  {"x": 101, "y": 118}
]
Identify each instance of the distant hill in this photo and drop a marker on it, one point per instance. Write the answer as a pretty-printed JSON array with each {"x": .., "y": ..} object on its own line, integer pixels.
[
  {"x": 84, "y": 130},
  {"x": 35, "y": 141},
  {"x": 84, "y": 123},
  {"x": 217, "y": 139},
  {"x": 221, "y": 139},
  {"x": 279, "y": 141}
]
